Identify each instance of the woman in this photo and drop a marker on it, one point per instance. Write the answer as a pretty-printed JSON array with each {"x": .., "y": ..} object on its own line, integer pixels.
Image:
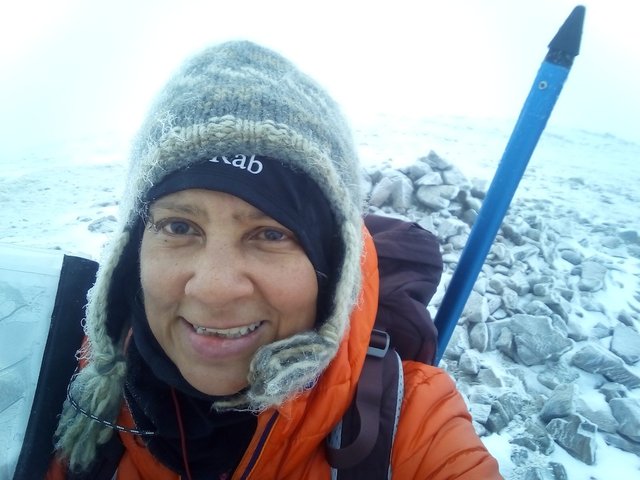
[{"x": 231, "y": 316}]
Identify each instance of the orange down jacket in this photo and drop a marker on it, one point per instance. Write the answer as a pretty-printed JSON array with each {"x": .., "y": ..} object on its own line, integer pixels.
[{"x": 435, "y": 438}]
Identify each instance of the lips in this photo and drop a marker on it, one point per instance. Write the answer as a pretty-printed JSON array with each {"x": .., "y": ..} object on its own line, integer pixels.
[{"x": 231, "y": 333}]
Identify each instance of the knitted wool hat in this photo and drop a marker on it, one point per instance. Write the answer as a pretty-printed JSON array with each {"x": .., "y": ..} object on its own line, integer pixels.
[{"x": 233, "y": 99}]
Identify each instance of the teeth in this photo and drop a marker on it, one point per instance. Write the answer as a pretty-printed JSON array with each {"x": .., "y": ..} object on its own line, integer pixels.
[{"x": 227, "y": 332}]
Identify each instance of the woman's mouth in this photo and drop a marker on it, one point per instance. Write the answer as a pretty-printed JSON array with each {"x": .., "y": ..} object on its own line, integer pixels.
[{"x": 235, "y": 332}]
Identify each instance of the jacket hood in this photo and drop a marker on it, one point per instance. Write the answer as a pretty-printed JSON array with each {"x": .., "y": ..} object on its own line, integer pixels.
[{"x": 233, "y": 99}]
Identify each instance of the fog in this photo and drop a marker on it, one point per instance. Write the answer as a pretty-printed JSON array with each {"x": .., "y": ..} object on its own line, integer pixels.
[{"x": 76, "y": 68}]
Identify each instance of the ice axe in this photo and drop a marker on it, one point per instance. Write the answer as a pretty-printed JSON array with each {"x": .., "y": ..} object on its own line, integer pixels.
[{"x": 535, "y": 112}]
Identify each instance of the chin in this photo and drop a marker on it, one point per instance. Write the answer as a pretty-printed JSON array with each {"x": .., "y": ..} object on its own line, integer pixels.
[{"x": 216, "y": 387}]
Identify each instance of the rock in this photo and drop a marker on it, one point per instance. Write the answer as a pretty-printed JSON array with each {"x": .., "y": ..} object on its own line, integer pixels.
[
  {"x": 595, "y": 359},
  {"x": 494, "y": 330},
  {"x": 506, "y": 345},
  {"x": 493, "y": 301},
  {"x": 629, "y": 236},
  {"x": 473, "y": 203},
  {"x": 487, "y": 376},
  {"x": 535, "y": 438},
  {"x": 103, "y": 225},
  {"x": 454, "y": 176},
  {"x": 519, "y": 283},
  {"x": 524, "y": 252},
  {"x": 479, "y": 337},
  {"x": 576, "y": 330},
  {"x": 499, "y": 314},
  {"x": 561, "y": 403},
  {"x": 558, "y": 323},
  {"x": 592, "y": 276},
  {"x": 510, "y": 300},
  {"x": 613, "y": 390},
  {"x": 625, "y": 318},
  {"x": 469, "y": 362},
  {"x": 576, "y": 435},
  {"x": 603, "y": 419},
  {"x": 435, "y": 161},
  {"x": 479, "y": 428},
  {"x": 503, "y": 410},
  {"x": 541, "y": 289},
  {"x": 458, "y": 242},
  {"x": 534, "y": 234},
  {"x": 627, "y": 412},
  {"x": 611, "y": 242},
  {"x": 450, "y": 227},
  {"x": 381, "y": 192},
  {"x": 500, "y": 255},
  {"x": 536, "y": 307},
  {"x": 476, "y": 309},
  {"x": 458, "y": 343},
  {"x": 558, "y": 304},
  {"x": 430, "y": 197},
  {"x": 427, "y": 223},
  {"x": 537, "y": 340},
  {"x": 430, "y": 178},
  {"x": 451, "y": 258},
  {"x": 626, "y": 344},
  {"x": 510, "y": 232},
  {"x": 622, "y": 443},
  {"x": 601, "y": 330},
  {"x": 634, "y": 250},
  {"x": 371, "y": 175},
  {"x": 395, "y": 189},
  {"x": 480, "y": 412},
  {"x": 538, "y": 473},
  {"x": 558, "y": 470},
  {"x": 418, "y": 170},
  {"x": 556, "y": 374},
  {"x": 572, "y": 256},
  {"x": 478, "y": 188},
  {"x": 519, "y": 456},
  {"x": 469, "y": 216}
]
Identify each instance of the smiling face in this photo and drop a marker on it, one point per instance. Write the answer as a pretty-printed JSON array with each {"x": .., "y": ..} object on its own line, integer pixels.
[{"x": 220, "y": 279}]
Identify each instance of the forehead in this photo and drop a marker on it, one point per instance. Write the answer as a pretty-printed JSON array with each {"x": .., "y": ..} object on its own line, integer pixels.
[{"x": 202, "y": 202}]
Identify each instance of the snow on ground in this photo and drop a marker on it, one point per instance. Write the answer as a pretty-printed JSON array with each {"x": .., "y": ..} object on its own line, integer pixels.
[{"x": 64, "y": 197}]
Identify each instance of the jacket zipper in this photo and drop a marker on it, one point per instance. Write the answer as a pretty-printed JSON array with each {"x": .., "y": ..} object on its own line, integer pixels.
[{"x": 258, "y": 450}]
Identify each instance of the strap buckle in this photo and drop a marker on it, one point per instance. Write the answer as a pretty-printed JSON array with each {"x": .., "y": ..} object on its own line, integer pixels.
[{"x": 378, "y": 343}]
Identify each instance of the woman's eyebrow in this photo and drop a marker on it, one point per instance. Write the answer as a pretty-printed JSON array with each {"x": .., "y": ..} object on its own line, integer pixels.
[
  {"x": 253, "y": 214},
  {"x": 178, "y": 207}
]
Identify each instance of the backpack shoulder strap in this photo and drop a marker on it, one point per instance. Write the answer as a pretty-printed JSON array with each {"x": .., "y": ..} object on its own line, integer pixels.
[
  {"x": 58, "y": 364},
  {"x": 360, "y": 446},
  {"x": 410, "y": 267}
]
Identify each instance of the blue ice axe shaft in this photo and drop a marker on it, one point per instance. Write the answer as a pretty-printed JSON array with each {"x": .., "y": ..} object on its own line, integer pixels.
[{"x": 537, "y": 108}]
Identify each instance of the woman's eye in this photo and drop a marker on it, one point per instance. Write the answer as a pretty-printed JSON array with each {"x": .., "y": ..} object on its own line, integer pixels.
[
  {"x": 175, "y": 227},
  {"x": 178, "y": 228},
  {"x": 273, "y": 235}
]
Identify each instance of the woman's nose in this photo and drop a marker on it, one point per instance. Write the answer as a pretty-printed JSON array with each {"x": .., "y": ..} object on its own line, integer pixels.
[{"x": 219, "y": 276}]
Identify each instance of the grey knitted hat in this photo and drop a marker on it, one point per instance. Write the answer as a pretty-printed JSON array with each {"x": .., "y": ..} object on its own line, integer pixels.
[{"x": 231, "y": 99}]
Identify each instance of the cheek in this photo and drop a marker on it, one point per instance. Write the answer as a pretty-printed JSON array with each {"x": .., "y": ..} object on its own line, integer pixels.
[
  {"x": 298, "y": 295},
  {"x": 159, "y": 281},
  {"x": 149, "y": 270}
]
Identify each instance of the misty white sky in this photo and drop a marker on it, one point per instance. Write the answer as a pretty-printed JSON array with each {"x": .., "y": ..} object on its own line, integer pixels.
[{"x": 81, "y": 67}]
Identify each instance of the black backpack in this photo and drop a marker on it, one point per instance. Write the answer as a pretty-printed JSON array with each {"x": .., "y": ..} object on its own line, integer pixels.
[{"x": 410, "y": 266}]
